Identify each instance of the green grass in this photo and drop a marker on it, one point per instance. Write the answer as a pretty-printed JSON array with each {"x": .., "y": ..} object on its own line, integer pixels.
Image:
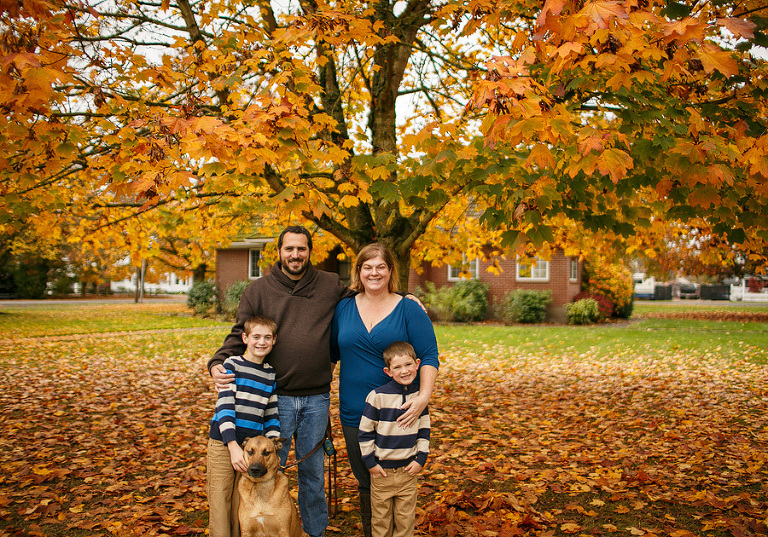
[
  {"x": 655, "y": 337},
  {"x": 651, "y": 336},
  {"x": 44, "y": 320},
  {"x": 641, "y": 308}
]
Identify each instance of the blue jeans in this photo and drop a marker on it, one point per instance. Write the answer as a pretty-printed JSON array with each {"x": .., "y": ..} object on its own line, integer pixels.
[{"x": 307, "y": 418}]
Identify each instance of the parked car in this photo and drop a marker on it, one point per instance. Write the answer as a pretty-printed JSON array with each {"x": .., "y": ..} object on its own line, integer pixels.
[{"x": 689, "y": 290}]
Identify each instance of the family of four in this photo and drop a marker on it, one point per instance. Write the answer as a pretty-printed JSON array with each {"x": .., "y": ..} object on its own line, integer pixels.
[{"x": 387, "y": 353}]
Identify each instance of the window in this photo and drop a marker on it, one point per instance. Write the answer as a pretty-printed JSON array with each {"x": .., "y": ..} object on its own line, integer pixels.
[
  {"x": 345, "y": 271},
  {"x": 574, "y": 274},
  {"x": 254, "y": 270},
  {"x": 472, "y": 267},
  {"x": 539, "y": 271}
]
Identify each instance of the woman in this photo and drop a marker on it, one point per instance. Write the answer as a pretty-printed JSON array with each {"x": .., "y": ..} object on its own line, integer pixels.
[{"x": 363, "y": 326}]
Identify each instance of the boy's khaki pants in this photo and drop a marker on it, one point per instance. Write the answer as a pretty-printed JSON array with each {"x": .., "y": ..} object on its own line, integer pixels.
[
  {"x": 393, "y": 503},
  {"x": 223, "y": 498}
]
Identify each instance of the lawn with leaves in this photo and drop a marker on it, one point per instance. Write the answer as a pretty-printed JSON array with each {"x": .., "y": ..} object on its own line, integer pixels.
[{"x": 657, "y": 426}]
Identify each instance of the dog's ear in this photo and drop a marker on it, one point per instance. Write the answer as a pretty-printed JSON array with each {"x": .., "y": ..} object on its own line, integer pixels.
[
  {"x": 278, "y": 443},
  {"x": 244, "y": 442}
]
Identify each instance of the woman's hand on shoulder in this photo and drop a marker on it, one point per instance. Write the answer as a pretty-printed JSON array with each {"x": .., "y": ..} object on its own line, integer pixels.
[{"x": 413, "y": 409}]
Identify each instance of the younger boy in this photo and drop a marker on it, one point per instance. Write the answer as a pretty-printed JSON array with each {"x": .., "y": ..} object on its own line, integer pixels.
[
  {"x": 248, "y": 408},
  {"x": 394, "y": 455}
]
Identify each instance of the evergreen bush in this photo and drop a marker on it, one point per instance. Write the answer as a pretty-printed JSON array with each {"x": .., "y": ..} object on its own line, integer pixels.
[
  {"x": 470, "y": 300},
  {"x": 202, "y": 297},
  {"x": 523, "y": 306},
  {"x": 604, "y": 304},
  {"x": 465, "y": 301},
  {"x": 31, "y": 278},
  {"x": 232, "y": 297},
  {"x": 584, "y": 311},
  {"x": 437, "y": 300}
]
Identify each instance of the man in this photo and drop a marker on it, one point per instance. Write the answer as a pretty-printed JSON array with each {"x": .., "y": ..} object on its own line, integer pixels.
[{"x": 301, "y": 300}]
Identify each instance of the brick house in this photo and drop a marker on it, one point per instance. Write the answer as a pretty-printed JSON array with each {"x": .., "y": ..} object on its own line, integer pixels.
[{"x": 561, "y": 274}]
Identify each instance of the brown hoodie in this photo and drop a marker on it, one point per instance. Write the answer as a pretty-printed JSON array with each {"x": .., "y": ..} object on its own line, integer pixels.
[{"x": 303, "y": 311}]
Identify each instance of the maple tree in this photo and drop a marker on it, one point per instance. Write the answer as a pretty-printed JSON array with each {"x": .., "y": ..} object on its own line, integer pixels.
[{"x": 605, "y": 114}]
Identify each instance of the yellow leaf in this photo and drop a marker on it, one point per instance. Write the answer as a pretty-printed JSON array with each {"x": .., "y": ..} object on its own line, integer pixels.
[
  {"x": 349, "y": 201},
  {"x": 566, "y": 49},
  {"x": 714, "y": 59},
  {"x": 614, "y": 163},
  {"x": 541, "y": 156}
]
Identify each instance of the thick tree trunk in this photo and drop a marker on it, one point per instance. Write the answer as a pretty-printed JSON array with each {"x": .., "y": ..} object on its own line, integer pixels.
[
  {"x": 199, "y": 272},
  {"x": 403, "y": 263}
]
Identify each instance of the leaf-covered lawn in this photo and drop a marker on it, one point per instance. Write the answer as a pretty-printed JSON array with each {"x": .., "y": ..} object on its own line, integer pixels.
[
  {"x": 105, "y": 434},
  {"x": 45, "y": 319}
]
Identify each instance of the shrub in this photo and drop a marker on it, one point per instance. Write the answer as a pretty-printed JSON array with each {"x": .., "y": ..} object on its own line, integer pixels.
[
  {"x": 584, "y": 311},
  {"x": 31, "y": 278},
  {"x": 625, "y": 311},
  {"x": 465, "y": 301},
  {"x": 755, "y": 285},
  {"x": 470, "y": 300},
  {"x": 604, "y": 304},
  {"x": 613, "y": 281},
  {"x": 523, "y": 306},
  {"x": 437, "y": 300},
  {"x": 202, "y": 297},
  {"x": 232, "y": 297}
]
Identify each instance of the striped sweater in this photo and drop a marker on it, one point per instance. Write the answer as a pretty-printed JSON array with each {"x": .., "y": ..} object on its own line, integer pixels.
[
  {"x": 249, "y": 407},
  {"x": 382, "y": 440}
]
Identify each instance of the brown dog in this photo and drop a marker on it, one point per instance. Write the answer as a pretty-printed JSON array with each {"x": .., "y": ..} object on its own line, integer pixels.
[{"x": 266, "y": 507}]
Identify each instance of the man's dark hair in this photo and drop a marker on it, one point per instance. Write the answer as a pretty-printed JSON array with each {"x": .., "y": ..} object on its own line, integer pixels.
[{"x": 299, "y": 230}]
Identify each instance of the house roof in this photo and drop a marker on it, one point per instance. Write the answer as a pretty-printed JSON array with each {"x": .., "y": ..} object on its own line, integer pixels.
[{"x": 249, "y": 241}]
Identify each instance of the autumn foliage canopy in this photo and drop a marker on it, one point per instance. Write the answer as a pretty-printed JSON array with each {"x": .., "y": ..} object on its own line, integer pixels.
[{"x": 384, "y": 121}]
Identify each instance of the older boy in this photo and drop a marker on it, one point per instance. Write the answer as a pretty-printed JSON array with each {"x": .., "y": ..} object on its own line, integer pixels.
[
  {"x": 394, "y": 455},
  {"x": 248, "y": 407}
]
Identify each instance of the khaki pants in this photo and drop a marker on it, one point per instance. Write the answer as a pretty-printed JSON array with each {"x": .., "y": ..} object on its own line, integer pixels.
[
  {"x": 221, "y": 486},
  {"x": 393, "y": 503}
]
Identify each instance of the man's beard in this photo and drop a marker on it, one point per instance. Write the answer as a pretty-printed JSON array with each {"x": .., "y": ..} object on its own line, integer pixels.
[{"x": 294, "y": 272}]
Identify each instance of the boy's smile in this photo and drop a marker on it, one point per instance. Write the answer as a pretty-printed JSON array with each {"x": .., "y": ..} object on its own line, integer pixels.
[
  {"x": 259, "y": 343},
  {"x": 403, "y": 369}
]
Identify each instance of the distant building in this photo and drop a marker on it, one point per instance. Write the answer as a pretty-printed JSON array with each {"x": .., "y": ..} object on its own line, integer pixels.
[
  {"x": 561, "y": 274},
  {"x": 168, "y": 283}
]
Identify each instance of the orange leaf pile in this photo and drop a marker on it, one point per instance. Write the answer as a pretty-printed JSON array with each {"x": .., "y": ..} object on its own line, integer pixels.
[{"x": 105, "y": 435}]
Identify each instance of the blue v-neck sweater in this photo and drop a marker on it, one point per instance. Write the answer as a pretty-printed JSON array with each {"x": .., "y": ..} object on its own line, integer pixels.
[{"x": 359, "y": 352}]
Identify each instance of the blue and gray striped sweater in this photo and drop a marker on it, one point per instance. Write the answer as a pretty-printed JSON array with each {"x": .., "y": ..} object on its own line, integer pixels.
[{"x": 249, "y": 407}]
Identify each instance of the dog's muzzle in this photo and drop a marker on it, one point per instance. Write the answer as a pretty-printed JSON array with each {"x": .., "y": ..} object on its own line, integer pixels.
[{"x": 257, "y": 470}]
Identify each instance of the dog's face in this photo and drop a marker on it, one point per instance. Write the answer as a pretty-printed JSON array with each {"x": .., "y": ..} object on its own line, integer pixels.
[{"x": 260, "y": 454}]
